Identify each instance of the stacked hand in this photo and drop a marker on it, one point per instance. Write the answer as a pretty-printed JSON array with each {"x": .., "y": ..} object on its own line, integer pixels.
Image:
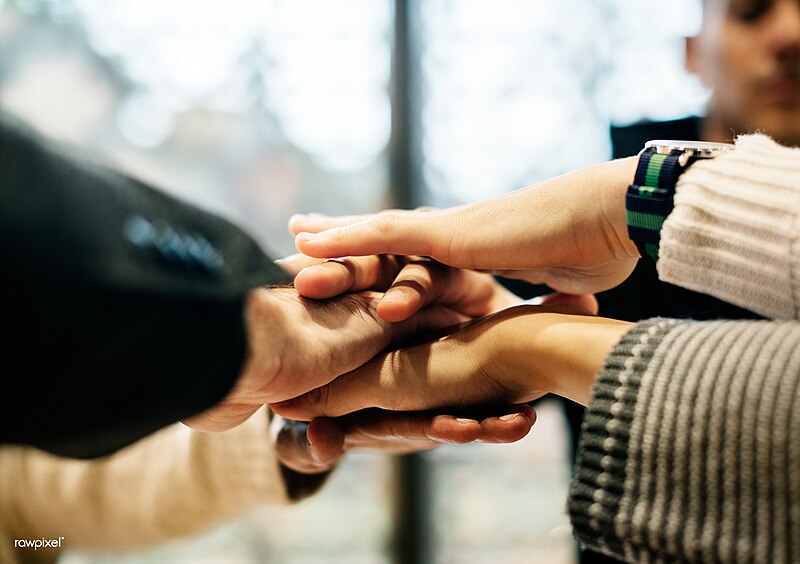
[
  {"x": 569, "y": 233},
  {"x": 313, "y": 358},
  {"x": 298, "y": 344}
]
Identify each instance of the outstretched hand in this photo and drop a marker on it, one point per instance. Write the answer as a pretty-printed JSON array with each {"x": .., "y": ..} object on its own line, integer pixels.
[
  {"x": 316, "y": 447},
  {"x": 569, "y": 232}
]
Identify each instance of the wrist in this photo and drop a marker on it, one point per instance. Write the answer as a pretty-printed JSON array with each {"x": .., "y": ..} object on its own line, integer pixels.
[
  {"x": 554, "y": 350},
  {"x": 581, "y": 346},
  {"x": 650, "y": 196},
  {"x": 611, "y": 184}
]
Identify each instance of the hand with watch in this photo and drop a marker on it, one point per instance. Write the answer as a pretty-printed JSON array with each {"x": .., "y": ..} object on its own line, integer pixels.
[
  {"x": 571, "y": 232},
  {"x": 522, "y": 352},
  {"x": 650, "y": 198}
]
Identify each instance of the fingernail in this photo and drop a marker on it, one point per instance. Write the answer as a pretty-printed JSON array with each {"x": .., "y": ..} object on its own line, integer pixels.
[
  {"x": 464, "y": 421},
  {"x": 297, "y": 216},
  {"x": 305, "y": 236},
  {"x": 394, "y": 296},
  {"x": 509, "y": 417}
]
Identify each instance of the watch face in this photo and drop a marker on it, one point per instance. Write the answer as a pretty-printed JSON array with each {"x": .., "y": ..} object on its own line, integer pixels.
[{"x": 697, "y": 149}]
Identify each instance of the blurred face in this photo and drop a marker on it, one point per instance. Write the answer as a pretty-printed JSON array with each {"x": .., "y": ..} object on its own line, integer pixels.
[{"x": 748, "y": 53}]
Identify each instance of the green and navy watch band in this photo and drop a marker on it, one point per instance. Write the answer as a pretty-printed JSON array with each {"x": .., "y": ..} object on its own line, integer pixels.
[{"x": 650, "y": 199}]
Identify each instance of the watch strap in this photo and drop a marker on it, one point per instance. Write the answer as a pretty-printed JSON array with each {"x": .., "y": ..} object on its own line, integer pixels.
[{"x": 650, "y": 199}]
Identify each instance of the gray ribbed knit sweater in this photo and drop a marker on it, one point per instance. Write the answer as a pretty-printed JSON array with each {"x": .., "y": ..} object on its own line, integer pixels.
[{"x": 690, "y": 449}]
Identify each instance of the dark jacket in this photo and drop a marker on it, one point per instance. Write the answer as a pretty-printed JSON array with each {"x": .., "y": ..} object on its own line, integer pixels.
[{"x": 122, "y": 306}]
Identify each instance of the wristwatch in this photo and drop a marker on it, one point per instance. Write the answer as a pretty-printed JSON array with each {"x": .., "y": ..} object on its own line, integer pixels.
[{"x": 649, "y": 199}]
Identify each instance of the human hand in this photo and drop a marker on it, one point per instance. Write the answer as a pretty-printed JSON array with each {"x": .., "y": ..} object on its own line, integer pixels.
[
  {"x": 569, "y": 232},
  {"x": 409, "y": 283},
  {"x": 316, "y": 447},
  {"x": 514, "y": 356},
  {"x": 296, "y": 345}
]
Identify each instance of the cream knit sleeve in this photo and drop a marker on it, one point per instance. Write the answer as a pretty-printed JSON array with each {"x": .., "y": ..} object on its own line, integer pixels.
[
  {"x": 735, "y": 230},
  {"x": 174, "y": 483}
]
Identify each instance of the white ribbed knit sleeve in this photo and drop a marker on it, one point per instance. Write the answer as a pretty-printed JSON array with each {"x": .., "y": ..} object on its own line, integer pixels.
[{"x": 735, "y": 230}]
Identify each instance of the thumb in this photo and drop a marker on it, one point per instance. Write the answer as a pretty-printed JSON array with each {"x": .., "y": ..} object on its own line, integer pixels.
[
  {"x": 348, "y": 393},
  {"x": 308, "y": 448}
]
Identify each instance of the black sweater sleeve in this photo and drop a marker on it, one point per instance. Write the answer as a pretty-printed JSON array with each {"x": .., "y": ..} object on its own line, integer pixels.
[{"x": 122, "y": 306}]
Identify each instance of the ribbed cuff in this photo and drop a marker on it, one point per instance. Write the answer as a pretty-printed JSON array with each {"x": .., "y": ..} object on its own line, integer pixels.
[
  {"x": 688, "y": 450},
  {"x": 734, "y": 231},
  {"x": 597, "y": 486}
]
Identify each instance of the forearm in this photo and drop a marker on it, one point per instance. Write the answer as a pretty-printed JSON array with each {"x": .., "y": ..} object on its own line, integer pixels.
[
  {"x": 175, "y": 483},
  {"x": 688, "y": 449}
]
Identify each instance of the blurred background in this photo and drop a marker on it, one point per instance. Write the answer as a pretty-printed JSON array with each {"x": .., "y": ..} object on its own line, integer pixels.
[{"x": 258, "y": 109}]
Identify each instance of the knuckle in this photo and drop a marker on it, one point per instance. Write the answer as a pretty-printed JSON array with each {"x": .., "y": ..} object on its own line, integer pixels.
[
  {"x": 321, "y": 398},
  {"x": 387, "y": 384},
  {"x": 313, "y": 398},
  {"x": 348, "y": 263},
  {"x": 385, "y": 225}
]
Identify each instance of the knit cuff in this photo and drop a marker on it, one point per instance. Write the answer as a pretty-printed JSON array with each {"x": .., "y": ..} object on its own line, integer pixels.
[
  {"x": 733, "y": 233},
  {"x": 597, "y": 486}
]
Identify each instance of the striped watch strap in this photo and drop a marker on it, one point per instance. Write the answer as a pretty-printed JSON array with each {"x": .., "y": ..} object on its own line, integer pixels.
[{"x": 649, "y": 199}]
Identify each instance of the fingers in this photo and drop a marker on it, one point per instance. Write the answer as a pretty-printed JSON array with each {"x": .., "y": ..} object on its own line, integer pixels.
[
  {"x": 326, "y": 278},
  {"x": 509, "y": 427},
  {"x": 354, "y": 274},
  {"x": 318, "y": 446},
  {"x": 316, "y": 222},
  {"x": 410, "y": 284},
  {"x": 418, "y": 284},
  {"x": 293, "y": 264},
  {"x": 407, "y": 431},
  {"x": 398, "y": 432},
  {"x": 423, "y": 233},
  {"x": 424, "y": 282},
  {"x": 310, "y": 448}
]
